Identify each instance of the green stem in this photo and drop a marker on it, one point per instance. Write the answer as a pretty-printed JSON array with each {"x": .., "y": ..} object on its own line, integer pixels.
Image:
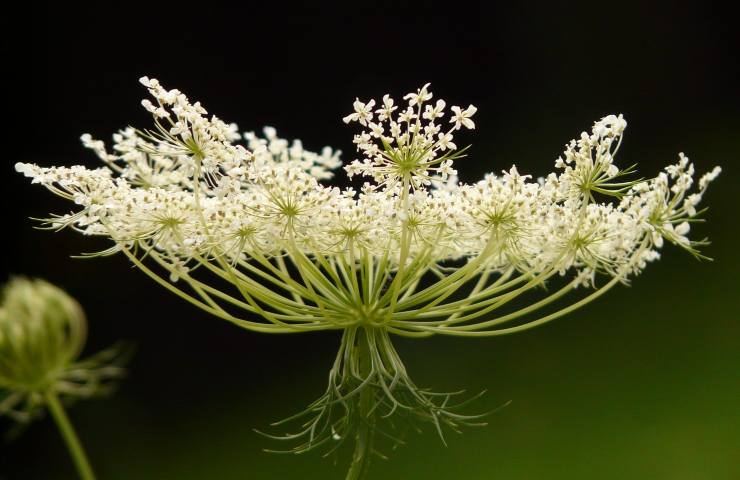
[
  {"x": 365, "y": 431},
  {"x": 70, "y": 437}
]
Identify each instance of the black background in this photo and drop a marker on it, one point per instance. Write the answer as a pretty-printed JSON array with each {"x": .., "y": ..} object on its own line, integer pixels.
[{"x": 539, "y": 72}]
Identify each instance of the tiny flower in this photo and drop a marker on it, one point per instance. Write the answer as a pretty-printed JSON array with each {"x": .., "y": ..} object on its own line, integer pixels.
[
  {"x": 431, "y": 113},
  {"x": 395, "y": 129},
  {"x": 611, "y": 125},
  {"x": 407, "y": 115},
  {"x": 149, "y": 83},
  {"x": 462, "y": 117},
  {"x": 388, "y": 108},
  {"x": 362, "y": 114},
  {"x": 707, "y": 178},
  {"x": 376, "y": 129},
  {"x": 430, "y": 130},
  {"x": 445, "y": 142},
  {"x": 422, "y": 95}
]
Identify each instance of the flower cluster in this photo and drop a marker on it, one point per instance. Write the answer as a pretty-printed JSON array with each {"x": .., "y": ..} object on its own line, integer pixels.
[
  {"x": 588, "y": 166},
  {"x": 413, "y": 252},
  {"x": 410, "y": 147},
  {"x": 187, "y": 195}
]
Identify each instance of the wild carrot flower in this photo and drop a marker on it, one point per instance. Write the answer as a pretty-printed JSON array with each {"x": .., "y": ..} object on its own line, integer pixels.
[
  {"x": 42, "y": 333},
  {"x": 412, "y": 253}
]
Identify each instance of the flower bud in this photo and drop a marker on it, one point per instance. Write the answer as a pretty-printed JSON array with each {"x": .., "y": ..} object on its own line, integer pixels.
[
  {"x": 42, "y": 333},
  {"x": 42, "y": 330}
]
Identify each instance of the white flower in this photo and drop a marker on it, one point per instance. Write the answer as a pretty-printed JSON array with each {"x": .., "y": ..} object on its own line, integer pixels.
[
  {"x": 707, "y": 178},
  {"x": 363, "y": 112},
  {"x": 376, "y": 129},
  {"x": 611, "y": 125},
  {"x": 388, "y": 108},
  {"x": 422, "y": 95},
  {"x": 408, "y": 115},
  {"x": 462, "y": 117},
  {"x": 431, "y": 113},
  {"x": 445, "y": 142}
]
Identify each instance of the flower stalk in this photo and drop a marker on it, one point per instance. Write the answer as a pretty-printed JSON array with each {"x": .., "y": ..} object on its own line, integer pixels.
[
  {"x": 74, "y": 446},
  {"x": 365, "y": 434}
]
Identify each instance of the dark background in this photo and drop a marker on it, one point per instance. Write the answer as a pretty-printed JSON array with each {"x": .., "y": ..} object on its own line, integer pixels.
[{"x": 644, "y": 383}]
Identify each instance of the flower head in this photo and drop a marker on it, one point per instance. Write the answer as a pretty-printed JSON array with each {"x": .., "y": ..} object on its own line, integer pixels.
[
  {"x": 259, "y": 211},
  {"x": 412, "y": 252},
  {"x": 415, "y": 151}
]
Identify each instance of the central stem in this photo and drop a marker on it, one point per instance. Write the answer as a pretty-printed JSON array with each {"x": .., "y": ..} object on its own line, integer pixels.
[
  {"x": 365, "y": 429},
  {"x": 70, "y": 437}
]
